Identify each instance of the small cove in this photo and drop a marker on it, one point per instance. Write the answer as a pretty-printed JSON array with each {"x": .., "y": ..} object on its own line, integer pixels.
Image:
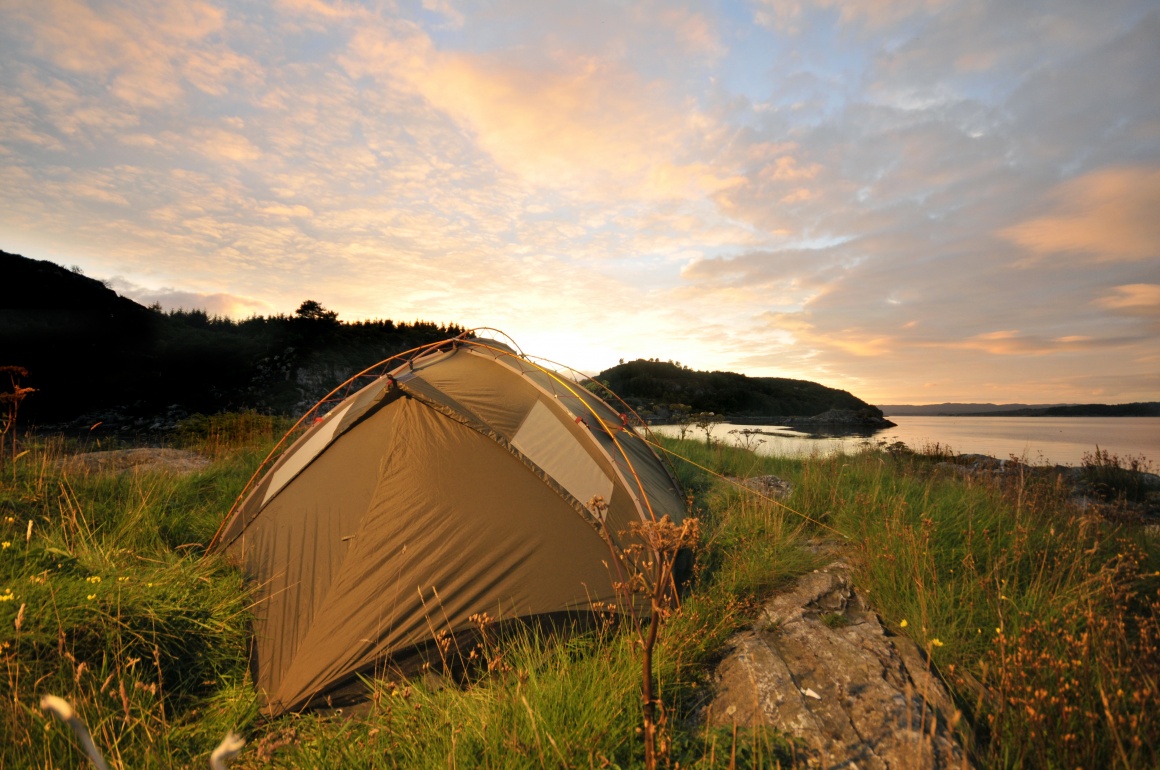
[{"x": 1056, "y": 440}]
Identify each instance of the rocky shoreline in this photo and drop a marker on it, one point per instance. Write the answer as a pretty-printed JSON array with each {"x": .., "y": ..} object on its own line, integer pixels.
[
  {"x": 837, "y": 418},
  {"x": 834, "y": 421},
  {"x": 1088, "y": 488}
]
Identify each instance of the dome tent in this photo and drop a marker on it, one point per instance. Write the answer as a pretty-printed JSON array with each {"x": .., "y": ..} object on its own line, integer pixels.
[{"x": 456, "y": 484}]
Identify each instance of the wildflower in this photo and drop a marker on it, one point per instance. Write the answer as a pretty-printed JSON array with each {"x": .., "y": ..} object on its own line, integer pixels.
[
  {"x": 936, "y": 642},
  {"x": 10, "y": 519},
  {"x": 90, "y": 597},
  {"x": 7, "y": 596},
  {"x": 903, "y": 624},
  {"x": 5, "y": 545},
  {"x": 123, "y": 579},
  {"x": 94, "y": 579}
]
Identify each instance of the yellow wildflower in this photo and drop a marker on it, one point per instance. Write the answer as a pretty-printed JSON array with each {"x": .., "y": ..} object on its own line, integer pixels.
[
  {"x": 936, "y": 642},
  {"x": 903, "y": 624},
  {"x": 90, "y": 597},
  {"x": 94, "y": 579},
  {"x": 5, "y": 545}
]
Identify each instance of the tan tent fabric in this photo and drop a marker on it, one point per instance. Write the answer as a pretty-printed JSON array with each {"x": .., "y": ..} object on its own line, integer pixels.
[{"x": 458, "y": 485}]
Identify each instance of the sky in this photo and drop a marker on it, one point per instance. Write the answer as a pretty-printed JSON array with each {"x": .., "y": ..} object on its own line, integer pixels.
[{"x": 915, "y": 200}]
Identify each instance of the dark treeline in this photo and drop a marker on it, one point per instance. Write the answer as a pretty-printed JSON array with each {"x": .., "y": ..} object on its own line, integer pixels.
[
  {"x": 92, "y": 354},
  {"x": 652, "y": 384}
]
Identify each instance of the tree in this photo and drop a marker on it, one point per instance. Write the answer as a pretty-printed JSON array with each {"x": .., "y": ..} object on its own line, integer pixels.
[
  {"x": 706, "y": 421},
  {"x": 314, "y": 311}
]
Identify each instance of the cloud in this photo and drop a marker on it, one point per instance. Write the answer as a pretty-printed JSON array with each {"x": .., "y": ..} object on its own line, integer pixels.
[
  {"x": 1109, "y": 214},
  {"x": 213, "y": 303},
  {"x": 282, "y": 210},
  {"x": 895, "y": 193},
  {"x": 580, "y": 123},
  {"x": 138, "y": 48},
  {"x": 791, "y": 16},
  {"x": 1135, "y": 298},
  {"x": 1013, "y": 343},
  {"x": 445, "y": 9},
  {"x": 223, "y": 145}
]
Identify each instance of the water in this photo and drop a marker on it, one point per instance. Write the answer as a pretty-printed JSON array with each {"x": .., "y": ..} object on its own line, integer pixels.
[{"x": 1061, "y": 440}]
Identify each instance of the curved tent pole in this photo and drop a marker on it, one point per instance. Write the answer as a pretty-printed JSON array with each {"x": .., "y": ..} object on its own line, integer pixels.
[
  {"x": 507, "y": 336},
  {"x": 414, "y": 353},
  {"x": 557, "y": 378},
  {"x": 663, "y": 458}
]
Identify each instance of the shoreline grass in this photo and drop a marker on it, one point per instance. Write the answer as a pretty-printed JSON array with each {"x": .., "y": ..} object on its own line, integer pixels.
[{"x": 1043, "y": 619}]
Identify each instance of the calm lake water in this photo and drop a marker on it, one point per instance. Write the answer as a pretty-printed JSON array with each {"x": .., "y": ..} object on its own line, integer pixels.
[{"x": 1062, "y": 440}]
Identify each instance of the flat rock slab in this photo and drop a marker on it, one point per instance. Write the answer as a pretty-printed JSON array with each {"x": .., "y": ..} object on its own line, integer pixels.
[
  {"x": 819, "y": 667},
  {"x": 143, "y": 460},
  {"x": 769, "y": 486}
]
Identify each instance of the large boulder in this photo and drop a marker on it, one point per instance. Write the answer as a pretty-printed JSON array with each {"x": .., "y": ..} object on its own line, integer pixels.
[{"x": 819, "y": 667}]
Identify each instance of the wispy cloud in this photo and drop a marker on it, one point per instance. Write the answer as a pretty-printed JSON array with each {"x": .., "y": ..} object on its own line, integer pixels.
[
  {"x": 1109, "y": 214},
  {"x": 213, "y": 303},
  {"x": 1142, "y": 298},
  {"x": 878, "y": 194}
]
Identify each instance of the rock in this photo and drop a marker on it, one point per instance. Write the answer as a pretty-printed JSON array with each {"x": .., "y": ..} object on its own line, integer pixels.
[
  {"x": 839, "y": 417},
  {"x": 819, "y": 667},
  {"x": 142, "y": 460},
  {"x": 769, "y": 486}
]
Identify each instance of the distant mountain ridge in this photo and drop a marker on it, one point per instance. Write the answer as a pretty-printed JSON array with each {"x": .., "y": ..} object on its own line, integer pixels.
[
  {"x": 1136, "y": 409},
  {"x": 952, "y": 408}
]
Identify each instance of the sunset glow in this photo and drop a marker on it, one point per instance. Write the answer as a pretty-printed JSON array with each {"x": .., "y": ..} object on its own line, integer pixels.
[{"x": 915, "y": 200}]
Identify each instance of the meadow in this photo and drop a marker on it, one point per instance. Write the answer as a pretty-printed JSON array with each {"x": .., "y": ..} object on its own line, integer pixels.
[{"x": 1042, "y": 617}]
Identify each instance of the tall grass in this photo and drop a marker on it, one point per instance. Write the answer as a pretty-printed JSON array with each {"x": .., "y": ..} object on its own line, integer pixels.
[
  {"x": 122, "y": 613},
  {"x": 1043, "y": 620},
  {"x": 108, "y": 601}
]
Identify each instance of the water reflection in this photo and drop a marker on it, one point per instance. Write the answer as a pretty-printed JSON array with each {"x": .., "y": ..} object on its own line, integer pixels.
[
  {"x": 782, "y": 440},
  {"x": 1062, "y": 440}
]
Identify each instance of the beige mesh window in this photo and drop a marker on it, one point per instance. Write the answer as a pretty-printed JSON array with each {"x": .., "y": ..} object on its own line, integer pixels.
[{"x": 544, "y": 440}]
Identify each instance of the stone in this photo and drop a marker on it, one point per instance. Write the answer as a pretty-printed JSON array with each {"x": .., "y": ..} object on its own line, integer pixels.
[
  {"x": 141, "y": 460},
  {"x": 769, "y": 486},
  {"x": 819, "y": 667}
]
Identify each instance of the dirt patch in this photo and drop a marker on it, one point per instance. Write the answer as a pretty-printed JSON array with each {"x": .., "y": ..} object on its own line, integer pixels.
[{"x": 142, "y": 460}]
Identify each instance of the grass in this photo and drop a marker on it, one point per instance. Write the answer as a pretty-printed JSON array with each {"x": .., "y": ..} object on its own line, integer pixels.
[
  {"x": 1112, "y": 478},
  {"x": 1044, "y": 621}
]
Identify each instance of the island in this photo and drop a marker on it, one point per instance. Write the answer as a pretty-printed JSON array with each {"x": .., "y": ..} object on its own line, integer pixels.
[{"x": 666, "y": 391}]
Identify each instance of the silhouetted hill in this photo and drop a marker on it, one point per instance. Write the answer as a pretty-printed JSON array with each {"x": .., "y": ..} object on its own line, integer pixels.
[
  {"x": 82, "y": 343},
  {"x": 92, "y": 353},
  {"x": 660, "y": 384}
]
